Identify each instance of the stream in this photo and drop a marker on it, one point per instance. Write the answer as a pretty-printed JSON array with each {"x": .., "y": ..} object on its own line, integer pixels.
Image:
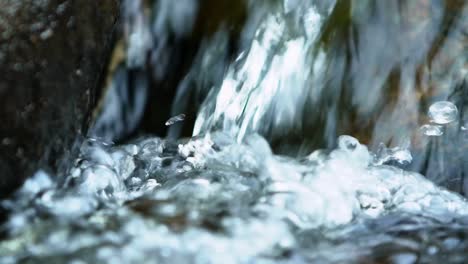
[{"x": 333, "y": 132}]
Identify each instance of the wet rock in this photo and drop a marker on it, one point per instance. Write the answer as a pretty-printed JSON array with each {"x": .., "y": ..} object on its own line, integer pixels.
[{"x": 52, "y": 54}]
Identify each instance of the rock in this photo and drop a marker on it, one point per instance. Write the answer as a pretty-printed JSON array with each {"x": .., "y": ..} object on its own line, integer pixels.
[{"x": 52, "y": 54}]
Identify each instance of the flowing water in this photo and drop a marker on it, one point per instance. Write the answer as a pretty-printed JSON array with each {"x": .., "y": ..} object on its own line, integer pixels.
[{"x": 269, "y": 175}]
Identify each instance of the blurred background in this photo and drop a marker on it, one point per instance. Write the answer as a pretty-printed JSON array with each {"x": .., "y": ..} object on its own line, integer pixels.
[{"x": 364, "y": 68}]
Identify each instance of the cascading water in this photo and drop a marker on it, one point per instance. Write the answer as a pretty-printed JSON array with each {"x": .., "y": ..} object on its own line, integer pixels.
[{"x": 226, "y": 195}]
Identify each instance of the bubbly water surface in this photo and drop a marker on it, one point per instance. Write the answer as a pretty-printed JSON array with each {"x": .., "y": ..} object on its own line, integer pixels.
[
  {"x": 224, "y": 196},
  {"x": 212, "y": 200}
]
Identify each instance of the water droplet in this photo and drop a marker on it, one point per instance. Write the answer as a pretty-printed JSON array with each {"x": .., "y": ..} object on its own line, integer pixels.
[
  {"x": 432, "y": 130},
  {"x": 175, "y": 119},
  {"x": 443, "y": 112}
]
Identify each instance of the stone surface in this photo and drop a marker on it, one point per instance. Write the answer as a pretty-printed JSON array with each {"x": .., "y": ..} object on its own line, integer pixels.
[{"x": 52, "y": 56}]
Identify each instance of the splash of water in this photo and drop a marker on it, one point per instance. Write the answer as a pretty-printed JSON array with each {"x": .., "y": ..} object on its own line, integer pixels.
[
  {"x": 164, "y": 201},
  {"x": 273, "y": 68},
  {"x": 224, "y": 195}
]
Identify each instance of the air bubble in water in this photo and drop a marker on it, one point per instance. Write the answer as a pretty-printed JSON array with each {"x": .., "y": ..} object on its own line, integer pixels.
[
  {"x": 432, "y": 130},
  {"x": 443, "y": 112}
]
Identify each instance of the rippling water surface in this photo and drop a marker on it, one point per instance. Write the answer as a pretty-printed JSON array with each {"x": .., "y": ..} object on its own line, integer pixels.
[
  {"x": 268, "y": 175},
  {"x": 212, "y": 200}
]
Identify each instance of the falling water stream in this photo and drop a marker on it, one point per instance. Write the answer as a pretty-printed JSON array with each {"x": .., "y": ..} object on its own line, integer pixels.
[{"x": 305, "y": 148}]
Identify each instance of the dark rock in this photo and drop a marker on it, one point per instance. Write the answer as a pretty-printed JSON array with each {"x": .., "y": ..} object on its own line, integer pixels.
[{"x": 52, "y": 54}]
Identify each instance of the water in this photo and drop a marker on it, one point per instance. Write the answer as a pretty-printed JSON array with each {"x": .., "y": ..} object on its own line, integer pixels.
[
  {"x": 276, "y": 170},
  {"x": 211, "y": 199},
  {"x": 175, "y": 119},
  {"x": 400, "y": 155},
  {"x": 440, "y": 114},
  {"x": 432, "y": 130},
  {"x": 443, "y": 112}
]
